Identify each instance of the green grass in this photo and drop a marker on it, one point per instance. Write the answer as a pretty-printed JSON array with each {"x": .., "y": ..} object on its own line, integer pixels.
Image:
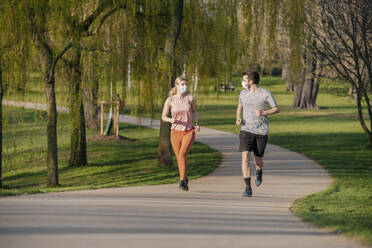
[
  {"x": 331, "y": 136},
  {"x": 111, "y": 164}
]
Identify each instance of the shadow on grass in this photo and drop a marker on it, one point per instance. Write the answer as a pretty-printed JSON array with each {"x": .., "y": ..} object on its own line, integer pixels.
[{"x": 331, "y": 151}]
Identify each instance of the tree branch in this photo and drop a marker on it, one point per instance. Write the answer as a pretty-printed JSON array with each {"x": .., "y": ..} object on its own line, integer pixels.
[
  {"x": 89, "y": 21},
  {"x": 64, "y": 50}
]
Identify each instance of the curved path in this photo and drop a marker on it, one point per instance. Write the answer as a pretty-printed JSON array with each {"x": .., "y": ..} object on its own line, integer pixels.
[{"x": 212, "y": 214}]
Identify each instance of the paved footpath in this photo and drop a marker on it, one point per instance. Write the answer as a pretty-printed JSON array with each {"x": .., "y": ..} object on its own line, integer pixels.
[{"x": 212, "y": 214}]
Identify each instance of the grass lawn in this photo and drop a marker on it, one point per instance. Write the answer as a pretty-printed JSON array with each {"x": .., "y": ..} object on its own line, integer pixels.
[
  {"x": 331, "y": 136},
  {"x": 111, "y": 164}
]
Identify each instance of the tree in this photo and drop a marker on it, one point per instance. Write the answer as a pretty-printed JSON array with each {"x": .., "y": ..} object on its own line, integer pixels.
[
  {"x": 309, "y": 71},
  {"x": 164, "y": 149},
  {"x": 90, "y": 89},
  {"x": 14, "y": 54},
  {"x": 78, "y": 28},
  {"x": 344, "y": 39},
  {"x": 41, "y": 26},
  {"x": 1, "y": 119}
]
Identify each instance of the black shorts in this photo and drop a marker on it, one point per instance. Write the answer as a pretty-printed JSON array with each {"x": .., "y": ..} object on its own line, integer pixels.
[{"x": 252, "y": 142}]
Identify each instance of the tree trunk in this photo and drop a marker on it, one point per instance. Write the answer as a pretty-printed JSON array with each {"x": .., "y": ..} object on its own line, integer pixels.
[
  {"x": 306, "y": 92},
  {"x": 90, "y": 95},
  {"x": 360, "y": 116},
  {"x": 52, "y": 161},
  {"x": 78, "y": 153},
  {"x": 1, "y": 126},
  {"x": 352, "y": 93},
  {"x": 164, "y": 150},
  {"x": 124, "y": 88},
  {"x": 285, "y": 77}
]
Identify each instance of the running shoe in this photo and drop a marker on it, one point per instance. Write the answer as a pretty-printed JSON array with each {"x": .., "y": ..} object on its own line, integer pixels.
[
  {"x": 258, "y": 179},
  {"x": 247, "y": 192},
  {"x": 183, "y": 185}
]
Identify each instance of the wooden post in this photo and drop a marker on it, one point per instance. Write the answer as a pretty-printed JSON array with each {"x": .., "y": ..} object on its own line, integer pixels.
[
  {"x": 115, "y": 122},
  {"x": 101, "y": 118},
  {"x": 117, "y": 118}
]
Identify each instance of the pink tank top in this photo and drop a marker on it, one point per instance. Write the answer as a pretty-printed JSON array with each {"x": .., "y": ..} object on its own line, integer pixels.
[{"x": 181, "y": 113}]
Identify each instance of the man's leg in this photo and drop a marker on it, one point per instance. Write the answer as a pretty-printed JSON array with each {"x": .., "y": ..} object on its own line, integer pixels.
[
  {"x": 259, "y": 150},
  {"x": 246, "y": 170},
  {"x": 258, "y": 162},
  {"x": 259, "y": 165}
]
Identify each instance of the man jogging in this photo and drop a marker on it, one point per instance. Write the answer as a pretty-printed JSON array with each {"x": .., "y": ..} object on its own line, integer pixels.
[{"x": 253, "y": 102}]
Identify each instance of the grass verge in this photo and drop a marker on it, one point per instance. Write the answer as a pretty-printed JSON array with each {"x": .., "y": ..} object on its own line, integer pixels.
[
  {"x": 332, "y": 137},
  {"x": 111, "y": 164}
]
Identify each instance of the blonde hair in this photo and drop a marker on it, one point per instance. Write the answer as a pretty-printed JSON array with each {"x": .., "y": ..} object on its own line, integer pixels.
[{"x": 178, "y": 80}]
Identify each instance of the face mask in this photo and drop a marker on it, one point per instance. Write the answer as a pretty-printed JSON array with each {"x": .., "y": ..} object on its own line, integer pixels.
[
  {"x": 244, "y": 84},
  {"x": 183, "y": 88}
]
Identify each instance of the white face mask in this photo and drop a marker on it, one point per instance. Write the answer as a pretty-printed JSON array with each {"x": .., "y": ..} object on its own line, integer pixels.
[
  {"x": 244, "y": 84},
  {"x": 183, "y": 88}
]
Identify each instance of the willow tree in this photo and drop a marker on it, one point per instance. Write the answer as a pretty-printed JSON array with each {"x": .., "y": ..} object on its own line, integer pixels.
[
  {"x": 14, "y": 56},
  {"x": 1, "y": 116},
  {"x": 199, "y": 45},
  {"x": 90, "y": 87},
  {"x": 259, "y": 24},
  {"x": 171, "y": 37},
  {"x": 42, "y": 24},
  {"x": 82, "y": 20},
  {"x": 5, "y": 44},
  {"x": 306, "y": 65}
]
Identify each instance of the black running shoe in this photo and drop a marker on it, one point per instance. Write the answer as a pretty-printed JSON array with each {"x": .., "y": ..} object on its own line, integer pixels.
[
  {"x": 247, "y": 192},
  {"x": 258, "y": 179},
  {"x": 183, "y": 185},
  {"x": 187, "y": 183}
]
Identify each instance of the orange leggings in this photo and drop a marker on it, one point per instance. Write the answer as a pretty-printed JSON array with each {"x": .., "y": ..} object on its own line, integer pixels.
[{"x": 181, "y": 143}]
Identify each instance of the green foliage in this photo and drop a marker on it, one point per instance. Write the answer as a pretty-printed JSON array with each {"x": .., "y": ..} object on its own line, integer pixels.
[
  {"x": 111, "y": 164},
  {"x": 330, "y": 136},
  {"x": 296, "y": 34}
]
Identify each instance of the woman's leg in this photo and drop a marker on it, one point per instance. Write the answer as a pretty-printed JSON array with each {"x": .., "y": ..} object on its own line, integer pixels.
[
  {"x": 176, "y": 141},
  {"x": 187, "y": 140}
]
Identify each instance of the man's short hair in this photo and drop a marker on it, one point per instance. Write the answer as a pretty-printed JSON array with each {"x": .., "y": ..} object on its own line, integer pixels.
[{"x": 252, "y": 75}]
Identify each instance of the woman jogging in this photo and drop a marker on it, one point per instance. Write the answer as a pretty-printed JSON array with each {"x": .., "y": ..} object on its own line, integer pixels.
[{"x": 182, "y": 106}]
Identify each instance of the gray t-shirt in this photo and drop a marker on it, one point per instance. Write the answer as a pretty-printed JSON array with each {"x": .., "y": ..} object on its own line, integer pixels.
[{"x": 251, "y": 101}]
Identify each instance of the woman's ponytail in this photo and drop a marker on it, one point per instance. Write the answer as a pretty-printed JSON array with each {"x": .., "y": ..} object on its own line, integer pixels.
[
  {"x": 178, "y": 80},
  {"x": 173, "y": 92}
]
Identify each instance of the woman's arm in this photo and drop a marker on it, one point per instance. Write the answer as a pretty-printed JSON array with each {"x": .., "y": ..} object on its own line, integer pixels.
[
  {"x": 194, "y": 114},
  {"x": 166, "y": 109}
]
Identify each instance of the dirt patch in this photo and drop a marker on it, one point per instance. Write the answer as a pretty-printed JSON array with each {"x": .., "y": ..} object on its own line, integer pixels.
[{"x": 111, "y": 138}]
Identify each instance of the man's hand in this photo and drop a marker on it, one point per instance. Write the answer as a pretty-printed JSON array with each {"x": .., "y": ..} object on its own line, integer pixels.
[
  {"x": 238, "y": 121},
  {"x": 260, "y": 112}
]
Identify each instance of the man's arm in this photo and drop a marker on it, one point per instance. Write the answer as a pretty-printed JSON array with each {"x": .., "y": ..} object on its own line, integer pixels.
[
  {"x": 274, "y": 110},
  {"x": 238, "y": 114}
]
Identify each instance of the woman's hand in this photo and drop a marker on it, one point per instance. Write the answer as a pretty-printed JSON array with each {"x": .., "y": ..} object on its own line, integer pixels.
[{"x": 197, "y": 128}]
